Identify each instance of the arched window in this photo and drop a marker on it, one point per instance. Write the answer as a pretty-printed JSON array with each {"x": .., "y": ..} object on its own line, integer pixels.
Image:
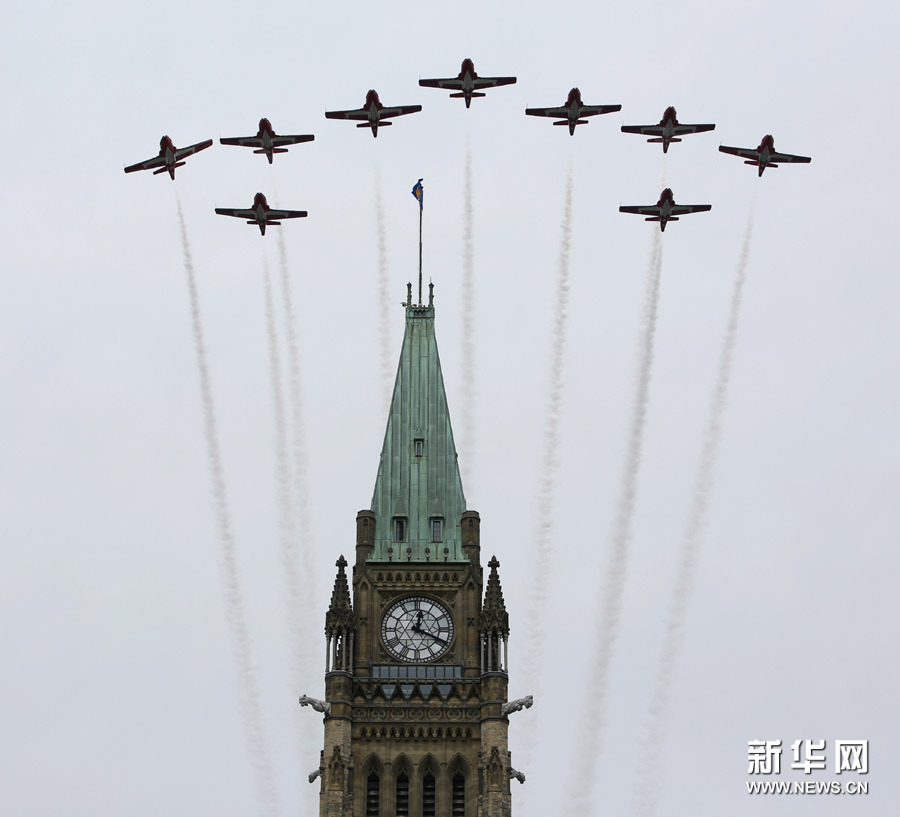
[
  {"x": 458, "y": 796},
  {"x": 428, "y": 795},
  {"x": 402, "y": 795},
  {"x": 372, "y": 791}
]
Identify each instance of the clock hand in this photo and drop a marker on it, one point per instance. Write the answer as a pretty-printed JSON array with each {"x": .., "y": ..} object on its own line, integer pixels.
[{"x": 435, "y": 637}]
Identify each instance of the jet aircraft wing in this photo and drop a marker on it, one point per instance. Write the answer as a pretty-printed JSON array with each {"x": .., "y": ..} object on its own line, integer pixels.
[
  {"x": 787, "y": 157},
  {"x": 639, "y": 209},
  {"x": 746, "y": 153},
  {"x": 398, "y": 110},
  {"x": 356, "y": 113},
  {"x": 593, "y": 110},
  {"x": 774, "y": 156},
  {"x": 383, "y": 113},
  {"x": 655, "y": 209},
  {"x": 180, "y": 153},
  {"x": 584, "y": 110},
  {"x": 271, "y": 214},
  {"x": 456, "y": 84},
  {"x": 149, "y": 164},
  {"x": 556, "y": 113},
  {"x": 257, "y": 142},
  {"x": 684, "y": 209},
  {"x": 236, "y": 212},
  {"x": 658, "y": 130}
]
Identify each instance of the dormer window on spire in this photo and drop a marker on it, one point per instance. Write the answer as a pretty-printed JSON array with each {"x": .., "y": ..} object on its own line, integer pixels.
[
  {"x": 419, "y": 447},
  {"x": 399, "y": 528},
  {"x": 437, "y": 529}
]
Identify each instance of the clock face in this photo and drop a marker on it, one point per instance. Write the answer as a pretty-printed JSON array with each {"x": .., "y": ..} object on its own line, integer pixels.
[{"x": 417, "y": 629}]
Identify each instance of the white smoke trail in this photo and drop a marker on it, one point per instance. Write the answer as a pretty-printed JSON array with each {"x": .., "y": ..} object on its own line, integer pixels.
[
  {"x": 535, "y": 621},
  {"x": 593, "y": 712},
  {"x": 295, "y": 598},
  {"x": 467, "y": 443},
  {"x": 299, "y": 581},
  {"x": 257, "y": 741},
  {"x": 308, "y": 553},
  {"x": 649, "y": 771},
  {"x": 384, "y": 317}
]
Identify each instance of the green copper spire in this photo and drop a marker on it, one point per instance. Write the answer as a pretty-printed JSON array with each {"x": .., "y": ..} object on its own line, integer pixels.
[{"x": 418, "y": 501}]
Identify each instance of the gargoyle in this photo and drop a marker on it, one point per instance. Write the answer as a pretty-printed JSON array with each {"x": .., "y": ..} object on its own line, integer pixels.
[
  {"x": 319, "y": 706},
  {"x": 518, "y": 705}
]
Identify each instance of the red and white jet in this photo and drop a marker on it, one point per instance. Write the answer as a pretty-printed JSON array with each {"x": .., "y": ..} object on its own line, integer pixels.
[
  {"x": 266, "y": 140},
  {"x": 665, "y": 210},
  {"x": 373, "y": 112},
  {"x": 261, "y": 214},
  {"x": 573, "y": 110},
  {"x": 668, "y": 130},
  {"x": 169, "y": 157},
  {"x": 468, "y": 82},
  {"x": 765, "y": 155}
]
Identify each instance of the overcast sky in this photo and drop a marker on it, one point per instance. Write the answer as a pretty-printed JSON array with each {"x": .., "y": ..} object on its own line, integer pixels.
[{"x": 119, "y": 694}]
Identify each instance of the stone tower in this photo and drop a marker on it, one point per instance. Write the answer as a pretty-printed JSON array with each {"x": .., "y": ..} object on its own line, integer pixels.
[{"x": 416, "y": 660}]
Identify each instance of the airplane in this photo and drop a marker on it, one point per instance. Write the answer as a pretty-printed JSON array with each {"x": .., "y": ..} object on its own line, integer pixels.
[
  {"x": 665, "y": 210},
  {"x": 573, "y": 110},
  {"x": 668, "y": 130},
  {"x": 765, "y": 155},
  {"x": 373, "y": 112},
  {"x": 266, "y": 140},
  {"x": 260, "y": 213},
  {"x": 169, "y": 157},
  {"x": 467, "y": 82}
]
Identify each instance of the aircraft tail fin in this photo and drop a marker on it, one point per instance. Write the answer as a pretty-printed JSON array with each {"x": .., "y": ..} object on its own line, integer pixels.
[{"x": 165, "y": 168}]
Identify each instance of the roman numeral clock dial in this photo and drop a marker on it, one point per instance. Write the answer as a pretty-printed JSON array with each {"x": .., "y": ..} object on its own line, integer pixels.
[{"x": 417, "y": 629}]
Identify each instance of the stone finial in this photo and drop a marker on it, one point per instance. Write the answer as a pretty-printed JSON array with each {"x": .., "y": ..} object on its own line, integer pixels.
[
  {"x": 339, "y": 620},
  {"x": 494, "y": 618}
]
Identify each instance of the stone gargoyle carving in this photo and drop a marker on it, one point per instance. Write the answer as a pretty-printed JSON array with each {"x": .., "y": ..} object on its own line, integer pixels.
[
  {"x": 314, "y": 774},
  {"x": 315, "y": 703},
  {"x": 516, "y": 774},
  {"x": 518, "y": 705}
]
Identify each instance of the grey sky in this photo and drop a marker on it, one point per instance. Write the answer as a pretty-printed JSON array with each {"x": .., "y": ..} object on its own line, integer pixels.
[{"x": 118, "y": 692}]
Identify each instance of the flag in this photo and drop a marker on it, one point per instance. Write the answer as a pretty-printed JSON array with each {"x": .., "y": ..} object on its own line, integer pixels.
[{"x": 419, "y": 192}]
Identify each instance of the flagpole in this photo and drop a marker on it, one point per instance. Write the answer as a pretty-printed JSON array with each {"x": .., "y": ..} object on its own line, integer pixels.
[
  {"x": 420, "y": 256},
  {"x": 419, "y": 194}
]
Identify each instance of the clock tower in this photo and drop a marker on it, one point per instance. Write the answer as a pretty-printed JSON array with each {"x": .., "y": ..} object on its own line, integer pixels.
[{"x": 415, "y": 710}]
